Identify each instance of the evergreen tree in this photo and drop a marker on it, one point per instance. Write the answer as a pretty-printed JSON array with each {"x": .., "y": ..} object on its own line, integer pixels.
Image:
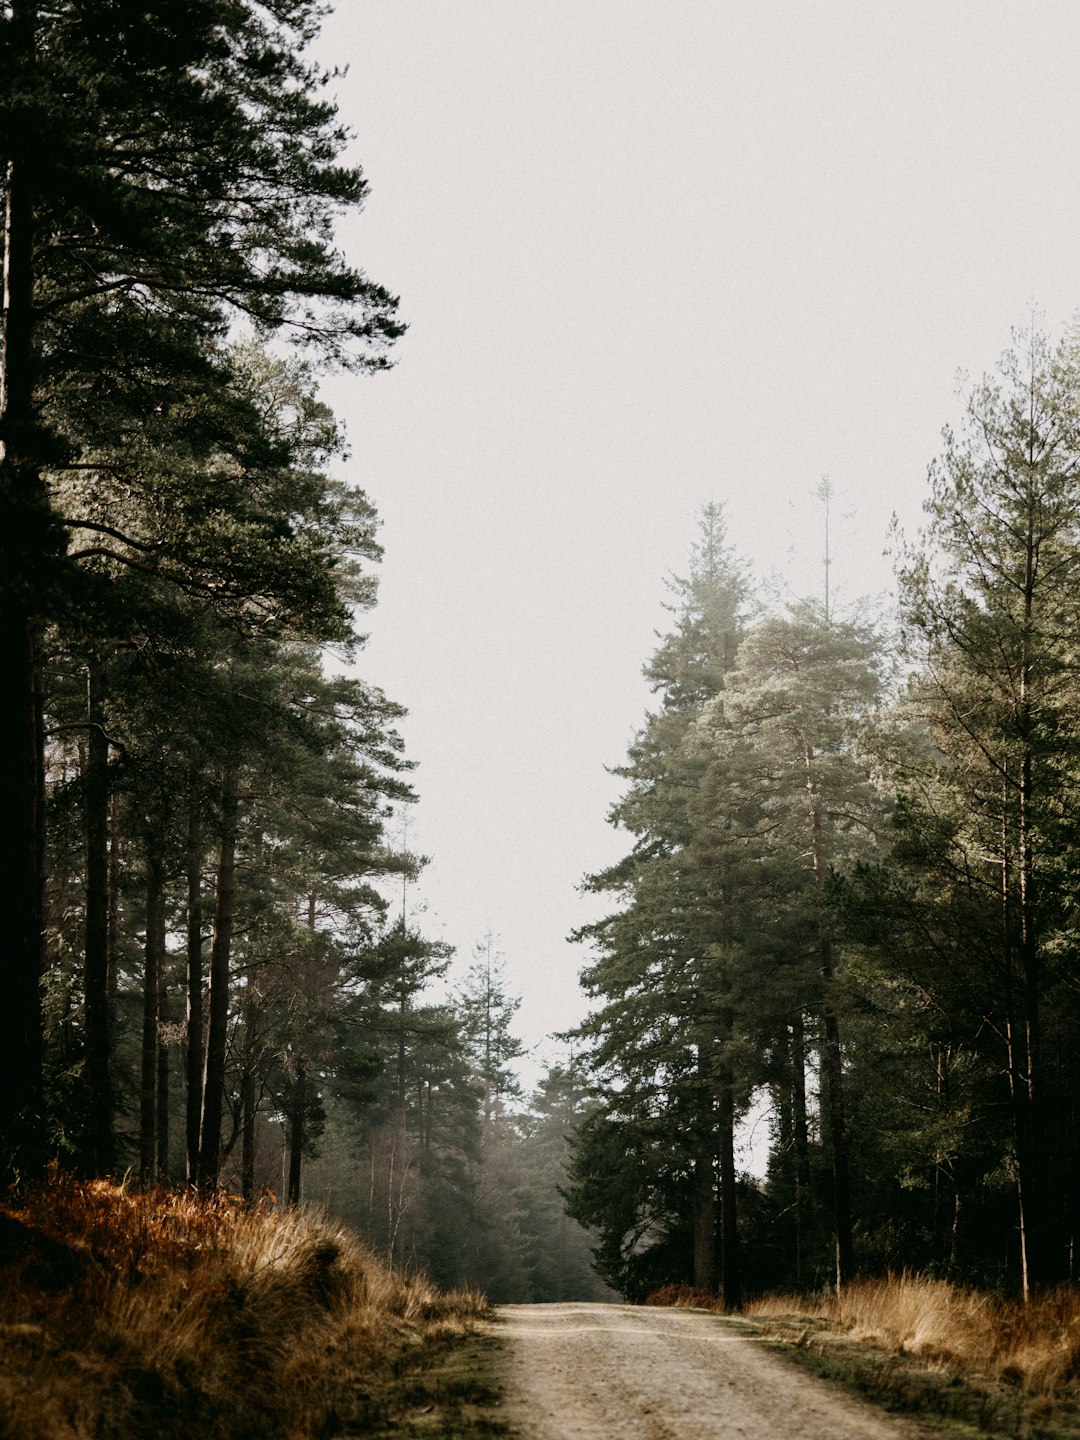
[
  {"x": 486, "y": 1014},
  {"x": 658, "y": 1041},
  {"x": 990, "y": 608},
  {"x": 557, "y": 1250},
  {"x": 159, "y": 177},
  {"x": 788, "y": 794}
]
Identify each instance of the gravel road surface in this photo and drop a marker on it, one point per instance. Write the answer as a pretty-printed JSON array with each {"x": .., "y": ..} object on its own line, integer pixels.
[{"x": 617, "y": 1372}]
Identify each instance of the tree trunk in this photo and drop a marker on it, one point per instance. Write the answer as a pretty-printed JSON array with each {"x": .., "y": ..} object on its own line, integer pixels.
[
  {"x": 730, "y": 1267},
  {"x": 22, "y": 1137},
  {"x": 194, "y": 1014},
  {"x": 96, "y": 966},
  {"x": 1045, "y": 1259},
  {"x": 401, "y": 1056},
  {"x": 704, "y": 1220},
  {"x": 831, "y": 1061},
  {"x": 247, "y": 1134},
  {"x": 1044, "y": 1252},
  {"x": 115, "y": 845},
  {"x": 153, "y": 953},
  {"x": 296, "y": 1130},
  {"x": 836, "y": 1120},
  {"x": 800, "y": 1134},
  {"x": 217, "y": 1030},
  {"x": 704, "y": 1184},
  {"x": 163, "y": 1069}
]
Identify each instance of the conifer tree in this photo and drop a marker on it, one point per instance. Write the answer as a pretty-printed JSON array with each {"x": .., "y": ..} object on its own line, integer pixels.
[
  {"x": 658, "y": 1039},
  {"x": 161, "y": 174},
  {"x": 990, "y": 607},
  {"x": 486, "y": 1013},
  {"x": 788, "y": 791}
]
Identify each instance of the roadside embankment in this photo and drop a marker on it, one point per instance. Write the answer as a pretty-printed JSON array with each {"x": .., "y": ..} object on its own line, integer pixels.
[{"x": 126, "y": 1314}]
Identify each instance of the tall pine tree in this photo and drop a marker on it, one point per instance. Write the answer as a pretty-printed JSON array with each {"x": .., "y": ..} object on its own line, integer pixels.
[{"x": 162, "y": 174}]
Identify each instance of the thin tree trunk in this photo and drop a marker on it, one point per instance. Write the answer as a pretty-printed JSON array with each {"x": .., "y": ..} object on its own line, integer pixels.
[
  {"x": 560, "y": 1290},
  {"x": 194, "y": 1058},
  {"x": 800, "y": 1134},
  {"x": 96, "y": 966},
  {"x": 730, "y": 1267},
  {"x": 704, "y": 1222},
  {"x": 155, "y": 935},
  {"x": 401, "y": 1061},
  {"x": 704, "y": 1183},
  {"x": 836, "y": 1117},
  {"x": 1045, "y": 1256},
  {"x": 832, "y": 1066},
  {"x": 296, "y": 1130},
  {"x": 113, "y": 983},
  {"x": 163, "y": 1067},
  {"x": 247, "y": 1133},
  {"x": 217, "y": 1029}
]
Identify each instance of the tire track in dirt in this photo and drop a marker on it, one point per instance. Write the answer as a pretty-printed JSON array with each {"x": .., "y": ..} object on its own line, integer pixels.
[{"x": 619, "y": 1372}]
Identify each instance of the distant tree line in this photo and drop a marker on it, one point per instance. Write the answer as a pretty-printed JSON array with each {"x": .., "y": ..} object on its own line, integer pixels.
[
  {"x": 430, "y": 1150},
  {"x": 852, "y": 893}
]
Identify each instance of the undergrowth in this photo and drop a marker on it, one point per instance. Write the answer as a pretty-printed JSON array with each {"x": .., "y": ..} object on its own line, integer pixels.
[
  {"x": 126, "y": 1313},
  {"x": 995, "y": 1367}
]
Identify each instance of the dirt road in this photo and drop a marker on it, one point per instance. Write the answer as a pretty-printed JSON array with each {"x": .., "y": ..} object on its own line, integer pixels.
[{"x": 614, "y": 1372}]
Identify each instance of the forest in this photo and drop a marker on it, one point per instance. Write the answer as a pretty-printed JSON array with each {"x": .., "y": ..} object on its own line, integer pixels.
[
  {"x": 849, "y": 893},
  {"x": 852, "y": 890},
  {"x": 209, "y": 977}
]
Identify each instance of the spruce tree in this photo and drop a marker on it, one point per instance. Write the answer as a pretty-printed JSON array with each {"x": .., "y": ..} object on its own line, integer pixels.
[
  {"x": 657, "y": 1041},
  {"x": 487, "y": 1013}
]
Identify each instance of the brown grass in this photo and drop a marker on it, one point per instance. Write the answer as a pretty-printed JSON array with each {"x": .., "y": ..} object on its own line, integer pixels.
[
  {"x": 910, "y": 1343},
  {"x": 125, "y": 1314},
  {"x": 1036, "y": 1346}
]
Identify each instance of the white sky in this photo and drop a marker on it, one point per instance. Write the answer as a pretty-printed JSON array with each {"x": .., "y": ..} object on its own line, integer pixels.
[{"x": 652, "y": 253}]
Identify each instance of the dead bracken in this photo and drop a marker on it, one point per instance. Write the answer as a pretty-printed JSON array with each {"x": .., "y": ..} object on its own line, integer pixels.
[{"x": 130, "y": 1313}]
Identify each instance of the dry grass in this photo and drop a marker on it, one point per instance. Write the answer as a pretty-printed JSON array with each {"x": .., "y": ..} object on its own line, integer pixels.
[
  {"x": 128, "y": 1314},
  {"x": 984, "y": 1366},
  {"x": 1036, "y": 1346}
]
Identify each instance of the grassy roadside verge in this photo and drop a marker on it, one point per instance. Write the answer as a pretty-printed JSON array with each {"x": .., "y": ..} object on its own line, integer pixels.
[
  {"x": 125, "y": 1314},
  {"x": 452, "y": 1397},
  {"x": 960, "y": 1359}
]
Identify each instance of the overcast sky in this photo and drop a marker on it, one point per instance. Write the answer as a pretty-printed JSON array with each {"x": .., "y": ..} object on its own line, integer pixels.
[{"x": 654, "y": 254}]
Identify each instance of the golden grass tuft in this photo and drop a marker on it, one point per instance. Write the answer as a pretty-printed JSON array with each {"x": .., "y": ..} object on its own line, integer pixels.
[
  {"x": 1034, "y": 1345},
  {"x": 130, "y": 1313}
]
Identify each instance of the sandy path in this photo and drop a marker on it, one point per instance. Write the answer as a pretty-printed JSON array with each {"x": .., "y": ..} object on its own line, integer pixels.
[{"x": 614, "y": 1372}]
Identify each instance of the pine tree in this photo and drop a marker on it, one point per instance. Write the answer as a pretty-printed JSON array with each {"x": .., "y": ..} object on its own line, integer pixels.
[
  {"x": 990, "y": 607},
  {"x": 158, "y": 178},
  {"x": 486, "y": 1013},
  {"x": 788, "y": 791}
]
